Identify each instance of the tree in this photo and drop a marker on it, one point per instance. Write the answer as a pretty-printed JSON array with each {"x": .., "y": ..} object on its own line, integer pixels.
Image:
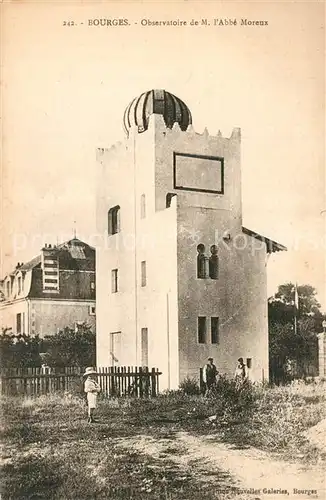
[
  {"x": 71, "y": 347},
  {"x": 19, "y": 351},
  {"x": 289, "y": 344},
  {"x": 308, "y": 303},
  {"x": 282, "y": 309}
]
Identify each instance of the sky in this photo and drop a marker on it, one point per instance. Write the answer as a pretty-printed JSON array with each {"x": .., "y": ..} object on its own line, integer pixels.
[{"x": 65, "y": 89}]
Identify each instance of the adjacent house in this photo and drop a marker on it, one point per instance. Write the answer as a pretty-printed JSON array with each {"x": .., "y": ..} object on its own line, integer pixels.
[{"x": 53, "y": 290}]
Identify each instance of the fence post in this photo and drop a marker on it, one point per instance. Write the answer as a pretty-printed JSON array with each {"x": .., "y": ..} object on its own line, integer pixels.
[
  {"x": 153, "y": 383},
  {"x": 128, "y": 381},
  {"x": 141, "y": 392},
  {"x": 146, "y": 382},
  {"x": 117, "y": 381},
  {"x": 124, "y": 380}
]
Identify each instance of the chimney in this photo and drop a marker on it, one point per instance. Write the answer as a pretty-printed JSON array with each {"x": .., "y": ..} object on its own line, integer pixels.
[{"x": 50, "y": 269}]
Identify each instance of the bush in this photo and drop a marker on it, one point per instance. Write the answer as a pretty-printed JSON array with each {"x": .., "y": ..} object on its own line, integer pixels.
[
  {"x": 190, "y": 387},
  {"x": 19, "y": 351},
  {"x": 71, "y": 347},
  {"x": 235, "y": 399}
]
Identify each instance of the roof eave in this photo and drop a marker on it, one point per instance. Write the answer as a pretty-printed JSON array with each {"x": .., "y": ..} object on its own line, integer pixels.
[{"x": 271, "y": 245}]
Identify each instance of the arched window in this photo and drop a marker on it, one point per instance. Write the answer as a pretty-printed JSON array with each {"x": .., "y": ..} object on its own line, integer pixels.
[
  {"x": 213, "y": 263},
  {"x": 202, "y": 262},
  {"x": 114, "y": 220}
]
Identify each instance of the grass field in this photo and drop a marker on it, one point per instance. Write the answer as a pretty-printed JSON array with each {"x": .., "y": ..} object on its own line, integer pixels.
[{"x": 49, "y": 450}]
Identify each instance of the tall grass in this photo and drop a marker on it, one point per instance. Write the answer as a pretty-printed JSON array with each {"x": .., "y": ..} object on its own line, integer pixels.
[
  {"x": 278, "y": 418},
  {"x": 50, "y": 451}
]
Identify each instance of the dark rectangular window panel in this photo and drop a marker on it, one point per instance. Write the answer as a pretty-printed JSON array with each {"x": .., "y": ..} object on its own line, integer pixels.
[
  {"x": 201, "y": 330},
  {"x": 19, "y": 323},
  {"x": 213, "y": 267},
  {"x": 202, "y": 266},
  {"x": 143, "y": 273},
  {"x": 215, "y": 334},
  {"x": 114, "y": 280}
]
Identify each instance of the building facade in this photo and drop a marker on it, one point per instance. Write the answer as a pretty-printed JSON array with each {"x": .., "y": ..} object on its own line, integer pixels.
[
  {"x": 178, "y": 277},
  {"x": 54, "y": 290}
]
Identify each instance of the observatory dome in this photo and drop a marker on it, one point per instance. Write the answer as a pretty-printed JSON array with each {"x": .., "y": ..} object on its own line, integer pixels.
[{"x": 159, "y": 102}]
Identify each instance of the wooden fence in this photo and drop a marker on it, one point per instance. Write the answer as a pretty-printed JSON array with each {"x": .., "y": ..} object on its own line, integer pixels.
[{"x": 114, "y": 381}]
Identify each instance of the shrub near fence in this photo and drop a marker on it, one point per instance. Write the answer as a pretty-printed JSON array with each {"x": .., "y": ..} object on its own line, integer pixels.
[{"x": 114, "y": 381}]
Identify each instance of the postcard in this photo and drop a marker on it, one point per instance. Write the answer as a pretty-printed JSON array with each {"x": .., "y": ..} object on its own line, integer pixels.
[{"x": 163, "y": 291}]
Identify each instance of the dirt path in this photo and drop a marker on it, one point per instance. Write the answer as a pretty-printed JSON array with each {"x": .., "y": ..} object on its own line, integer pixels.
[{"x": 249, "y": 469}]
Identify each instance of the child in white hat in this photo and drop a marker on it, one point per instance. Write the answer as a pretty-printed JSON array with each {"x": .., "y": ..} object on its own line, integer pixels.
[{"x": 92, "y": 388}]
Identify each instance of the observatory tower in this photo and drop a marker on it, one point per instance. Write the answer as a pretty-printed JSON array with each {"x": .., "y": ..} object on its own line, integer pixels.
[{"x": 178, "y": 277}]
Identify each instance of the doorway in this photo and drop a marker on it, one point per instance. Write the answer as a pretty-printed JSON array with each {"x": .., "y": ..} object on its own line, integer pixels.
[
  {"x": 144, "y": 347},
  {"x": 115, "y": 348}
]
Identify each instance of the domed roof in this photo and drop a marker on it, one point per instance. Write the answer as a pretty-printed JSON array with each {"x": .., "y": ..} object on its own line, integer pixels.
[{"x": 158, "y": 102}]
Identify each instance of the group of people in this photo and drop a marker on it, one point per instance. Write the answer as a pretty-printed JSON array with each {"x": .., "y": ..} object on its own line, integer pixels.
[{"x": 210, "y": 374}]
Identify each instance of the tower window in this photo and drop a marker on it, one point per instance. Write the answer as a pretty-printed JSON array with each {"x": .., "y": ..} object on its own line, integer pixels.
[
  {"x": 19, "y": 323},
  {"x": 215, "y": 337},
  {"x": 142, "y": 206},
  {"x": 114, "y": 220},
  {"x": 213, "y": 263},
  {"x": 169, "y": 197},
  {"x": 143, "y": 273},
  {"x": 201, "y": 330},
  {"x": 19, "y": 284},
  {"x": 202, "y": 262},
  {"x": 114, "y": 280}
]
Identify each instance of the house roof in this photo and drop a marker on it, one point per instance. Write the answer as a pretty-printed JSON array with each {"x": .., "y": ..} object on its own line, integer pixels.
[
  {"x": 31, "y": 264},
  {"x": 74, "y": 242},
  {"x": 271, "y": 245},
  {"x": 75, "y": 248}
]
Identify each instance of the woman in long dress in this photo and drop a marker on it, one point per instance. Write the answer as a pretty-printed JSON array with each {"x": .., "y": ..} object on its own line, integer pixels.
[{"x": 240, "y": 374}]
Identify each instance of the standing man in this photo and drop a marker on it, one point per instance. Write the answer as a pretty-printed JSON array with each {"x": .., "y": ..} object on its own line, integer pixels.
[{"x": 209, "y": 375}]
